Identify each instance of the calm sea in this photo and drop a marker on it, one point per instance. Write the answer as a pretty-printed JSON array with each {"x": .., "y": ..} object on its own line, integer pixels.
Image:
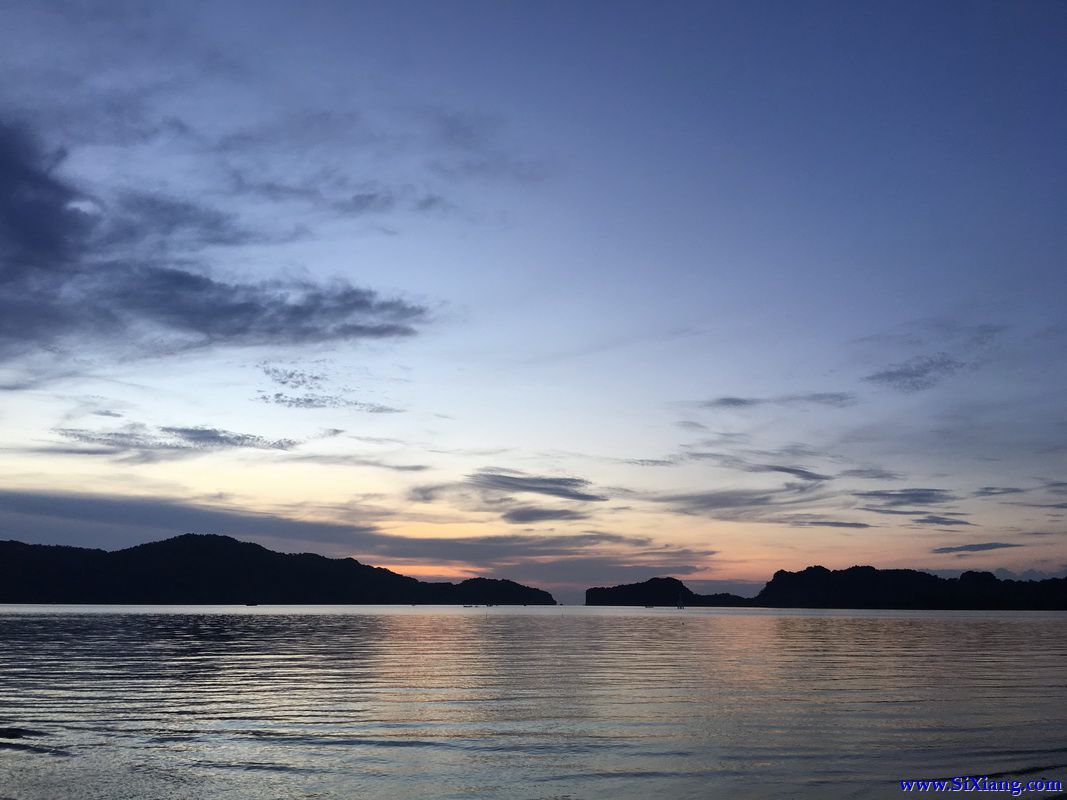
[{"x": 350, "y": 702}]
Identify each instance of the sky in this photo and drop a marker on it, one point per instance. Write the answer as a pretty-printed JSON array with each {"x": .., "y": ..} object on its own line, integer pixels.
[{"x": 575, "y": 294}]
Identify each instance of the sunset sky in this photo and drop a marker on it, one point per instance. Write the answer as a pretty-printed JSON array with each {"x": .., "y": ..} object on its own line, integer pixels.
[{"x": 574, "y": 293}]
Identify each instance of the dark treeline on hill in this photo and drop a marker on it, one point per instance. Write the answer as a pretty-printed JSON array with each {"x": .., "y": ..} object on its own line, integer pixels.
[
  {"x": 855, "y": 587},
  {"x": 217, "y": 569}
]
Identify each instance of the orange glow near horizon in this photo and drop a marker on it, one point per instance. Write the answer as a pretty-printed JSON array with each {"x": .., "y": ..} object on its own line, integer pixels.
[{"x": 432, "y": 571}]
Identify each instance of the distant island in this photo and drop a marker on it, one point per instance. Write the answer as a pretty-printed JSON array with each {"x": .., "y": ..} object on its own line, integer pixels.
[
  {"x": 855, "y": 587},
  {"x": 210, "y": 569},
  {"x": 659, "y": 592}
]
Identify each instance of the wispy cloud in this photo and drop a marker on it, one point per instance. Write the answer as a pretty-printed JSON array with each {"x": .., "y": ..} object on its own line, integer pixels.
[
  {"x": 974, "y": 548},
  {"x": 691, "y": 425},
  {"x": 917, "y": 373},
  {"x": 938, "y": 519},
  {"x": 893, "y": 498},
  {"x": 293, "y": 378},
  {"x": 138, "y": 443},
  {"x": 318, "y": 400},
  {"x": 997, "y": 491},
  {"x": 531, "y": 514},
  {"x": 341, "y": 460},
  {"x": 816, "y": 522},
  {"x": 494, "y": 491},
  {"x": 870, "y": 473},
  {"x": 832, "y": 399},
  {"x": 738, "y": 462},
  {"x": 653, "y": 462},
  {"x": 522, "y": 483},
  {"x": 751, "y": 504}
]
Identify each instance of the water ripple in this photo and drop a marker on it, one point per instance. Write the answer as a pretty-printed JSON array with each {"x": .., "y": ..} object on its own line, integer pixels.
[{"x": 425, "y": 703}]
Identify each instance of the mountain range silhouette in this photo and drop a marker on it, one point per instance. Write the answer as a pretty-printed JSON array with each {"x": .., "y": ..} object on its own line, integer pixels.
[
  {"x": 855, "y": 587},
  {"x": 213, "y": 569},
  {"x": 206, "y": 568}
]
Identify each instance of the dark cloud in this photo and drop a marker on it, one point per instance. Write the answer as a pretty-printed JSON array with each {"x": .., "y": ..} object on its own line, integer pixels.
[
  {"x": 376, "y": 199},
  {"x": 908, "y": 497},
  {"x": 491, "y": 491},
  {"x": 996, "y": 491},
  {"x": 828, "y": 523},
  {"x": 314, "y": 400},
  {"x": 974, "y": 548},
  {"x": 757, "y": 505},
  {"x": 796, "y": 472},
  {"x": 512, "y": 549},
  {"x": 211, "y": 311},
  {"x": 733, "y": 402},
  {"x": 900, "y": 512},
  {"x": 214, "y": 438},
  {"x": 653, "y": 462},
  {"x": 113, "y": 521},
  {"x": 732, "y": 461},
  {"x": 870, "y": 473},
  {"x": 433, "y": 202},
  {"x": 128, "y": 271},
  {"x": 293, "y": 378},
  {"x": 367, "y": 202},
  {"x": 917, "y": 373},
  {"x": 328, "y": 190},
  {"x": 426, "y": 494},
  {"x": 41, "y": 224},
  {"x": 531, "y": 514},
  {"x": 512, "y": 481},
  {"x": 938, "y": 519},
  {"x": 833, "y": 399},
  {"x": 137, "y": 443}
]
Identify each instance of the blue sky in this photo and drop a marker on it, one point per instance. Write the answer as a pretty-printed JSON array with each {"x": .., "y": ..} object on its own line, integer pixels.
[{"x": 571, "y": 293}]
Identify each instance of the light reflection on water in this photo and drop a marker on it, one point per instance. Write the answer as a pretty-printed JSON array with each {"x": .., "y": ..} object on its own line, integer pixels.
[{"x": 401, "y": 702}]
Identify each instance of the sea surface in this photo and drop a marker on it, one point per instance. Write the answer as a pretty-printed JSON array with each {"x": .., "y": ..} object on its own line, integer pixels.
[{"x": 398, "y": 703}]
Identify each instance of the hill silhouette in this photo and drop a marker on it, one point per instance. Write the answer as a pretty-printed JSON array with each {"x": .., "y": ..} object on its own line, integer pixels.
[
  {"x": 855, "y": 587},
  {"x": 658, "y": 592},
  {"x": 206, "y": 568}
]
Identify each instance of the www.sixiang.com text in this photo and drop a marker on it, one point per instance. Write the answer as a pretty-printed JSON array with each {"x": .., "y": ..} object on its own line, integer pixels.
[{"x": 1014, "y": 787}]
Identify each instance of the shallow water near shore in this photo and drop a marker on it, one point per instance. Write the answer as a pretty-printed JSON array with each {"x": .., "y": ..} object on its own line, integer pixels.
[{"x": 541, "y": 702}]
